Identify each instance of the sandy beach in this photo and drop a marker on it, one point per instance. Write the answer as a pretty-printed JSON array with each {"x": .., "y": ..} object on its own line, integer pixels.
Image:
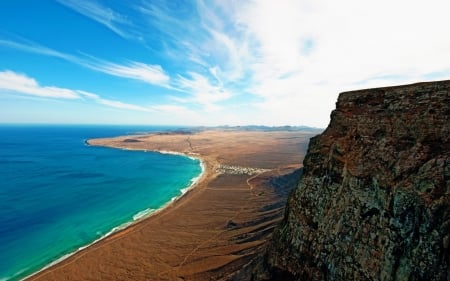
[{"x": 217, "y": 227}]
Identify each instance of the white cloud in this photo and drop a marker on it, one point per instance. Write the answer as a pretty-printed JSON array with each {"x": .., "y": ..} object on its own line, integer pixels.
[
  {"x": 20, "y": 83},
  {"x": 32, "y": 47},
  {"x": 286, "y": 59},
  {"x": 113, "y": 103},
  {"x": 103, "y": 15},
  {"x": 294, "y": 56},
  {"x": 305, "y": 52},
  {"x": 152, "y": 74},
  {"x": 279, "y": 32},
  {"x": 197, "y": 35},
  {"x": 202, "y": 91},
  {"x": 148, "y": 73},
  {"x": 174, "y": 109},
  {"x": 159, "y": 16}
]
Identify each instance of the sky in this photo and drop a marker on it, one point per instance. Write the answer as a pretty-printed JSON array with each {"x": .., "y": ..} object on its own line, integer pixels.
[{"x": 210, "y": 62}]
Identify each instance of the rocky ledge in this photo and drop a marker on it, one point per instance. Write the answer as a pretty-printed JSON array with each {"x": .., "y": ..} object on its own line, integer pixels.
[{"x": 374, "y": 199}]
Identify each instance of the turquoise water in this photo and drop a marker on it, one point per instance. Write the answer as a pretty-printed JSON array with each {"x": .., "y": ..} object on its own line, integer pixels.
[{"x": 58, "y": 194}]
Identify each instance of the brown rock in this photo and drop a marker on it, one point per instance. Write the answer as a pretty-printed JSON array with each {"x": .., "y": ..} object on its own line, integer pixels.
[{"x": 374, "y": 200}]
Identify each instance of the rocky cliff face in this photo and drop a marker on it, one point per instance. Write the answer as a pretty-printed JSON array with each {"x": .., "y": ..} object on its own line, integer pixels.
[{"x": 374, "y": 200}]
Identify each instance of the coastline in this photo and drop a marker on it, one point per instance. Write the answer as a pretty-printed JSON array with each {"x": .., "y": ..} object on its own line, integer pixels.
[
  {"x": 215, "y": 227},
  {"x": 139, "y": 216}
]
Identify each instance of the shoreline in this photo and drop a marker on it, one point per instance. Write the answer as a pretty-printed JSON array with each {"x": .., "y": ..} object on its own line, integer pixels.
[
  {"x": 148, "y": 213},
  {"x": 210, "y": 231}
]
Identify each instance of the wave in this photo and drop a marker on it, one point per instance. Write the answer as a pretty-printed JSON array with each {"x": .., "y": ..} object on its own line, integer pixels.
[
  {"x": 136, "y": 218},
  {"x": 143, "y": 214},
  {"x": 68, "y": 255},
  {"x": 195, "y": 180},
  {"x": 172, "y": 153},
  {"x": 15, "y": 275}
]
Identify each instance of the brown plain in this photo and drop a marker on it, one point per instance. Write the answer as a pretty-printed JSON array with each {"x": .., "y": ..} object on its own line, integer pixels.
[{"x": 213, "y": 231}]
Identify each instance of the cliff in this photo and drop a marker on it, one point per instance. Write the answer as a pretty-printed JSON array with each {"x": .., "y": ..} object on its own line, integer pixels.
[{"x": 374, "y": 200}]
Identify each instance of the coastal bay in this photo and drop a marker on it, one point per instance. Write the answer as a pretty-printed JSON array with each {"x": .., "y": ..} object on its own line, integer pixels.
[
  {"x": 217, "y": 227},
  {"x": 58, "y": 194}
]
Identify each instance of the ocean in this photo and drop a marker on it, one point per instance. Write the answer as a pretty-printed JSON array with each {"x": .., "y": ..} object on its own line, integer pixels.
[{"x": 58, "y": 194}]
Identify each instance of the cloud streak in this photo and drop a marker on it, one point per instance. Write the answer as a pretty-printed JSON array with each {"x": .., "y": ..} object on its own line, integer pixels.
[
  {"x": 151, "y": 74},
  {"x": 202, "y": 91},
  {"x": 303, "y": 53},
  {"x": 113, "y": 103},
  {"x": 31, "y": 47},
  {"x": 109, "y": 18},
  {"x": 12, "y": 82},
  {"x": 147, "y": 73},
  {"x": 286, "y": 61},
  {"x": 20, "y": 83},
  {"x": 294, "y": 57}
]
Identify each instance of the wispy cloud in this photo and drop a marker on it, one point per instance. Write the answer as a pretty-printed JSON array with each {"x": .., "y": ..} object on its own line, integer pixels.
[
  {"x": 287, "y": 59},
  {"x": 303, "y": 53},
  {"x": 20, "y": 83},
  {"x": 148, "y": 73},
  {"x": 202, "y": 91},
  {"x": 12, "y": 82},
  {"x": 113, "y": 103},
  {"x": 296, "y": 56},
  {"x": 204, "y": 44},
  {"x": 31, "y": 47},
  {"x": 111, "y": 19},
  {"x": 173, "y": 109},
  {"x": 211, "y": 50},
  {"x": 152, "y": 74},
  {"x": 348, "y": 45}
]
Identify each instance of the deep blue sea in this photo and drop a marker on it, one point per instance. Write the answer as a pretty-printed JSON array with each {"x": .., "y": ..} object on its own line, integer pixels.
[{"x": 58, "y": 194}]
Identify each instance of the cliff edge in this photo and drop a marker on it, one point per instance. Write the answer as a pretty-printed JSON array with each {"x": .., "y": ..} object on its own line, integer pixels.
[{"x": 374, "y": 199}]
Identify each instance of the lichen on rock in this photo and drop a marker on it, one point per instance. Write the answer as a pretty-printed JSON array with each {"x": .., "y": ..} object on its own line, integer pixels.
[{"x": 374, "y": 199}]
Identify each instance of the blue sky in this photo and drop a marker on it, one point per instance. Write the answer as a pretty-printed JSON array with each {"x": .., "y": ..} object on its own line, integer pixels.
[{"x": 209, "y": 62}]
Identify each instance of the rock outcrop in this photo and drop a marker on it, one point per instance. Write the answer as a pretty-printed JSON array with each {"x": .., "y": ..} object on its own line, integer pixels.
[{"x": 374, "y": 200}]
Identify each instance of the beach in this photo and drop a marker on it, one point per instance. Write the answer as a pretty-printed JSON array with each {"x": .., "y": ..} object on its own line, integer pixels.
[{"x": 217, "y": 227}]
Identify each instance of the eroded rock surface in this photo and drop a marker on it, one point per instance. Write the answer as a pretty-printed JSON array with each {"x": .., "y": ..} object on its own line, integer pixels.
[{"x": 374, "y": 200}]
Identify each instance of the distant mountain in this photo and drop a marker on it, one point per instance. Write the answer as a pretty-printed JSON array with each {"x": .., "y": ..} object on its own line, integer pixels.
[{"x": 262, "y": 128}]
